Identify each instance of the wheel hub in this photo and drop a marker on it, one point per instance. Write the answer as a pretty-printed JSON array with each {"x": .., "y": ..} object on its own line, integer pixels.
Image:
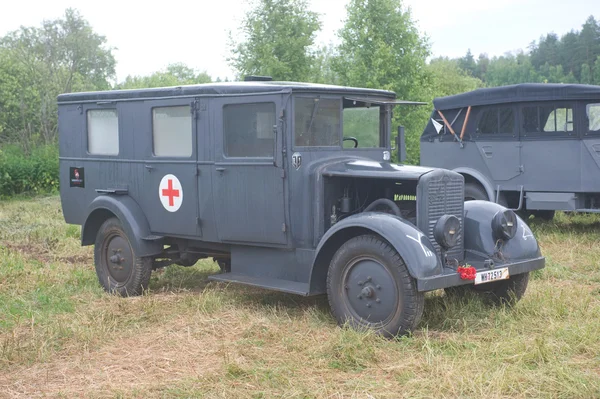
[
  {"x": 371, "y": 292},
  {"x": 119, "y": 258}
]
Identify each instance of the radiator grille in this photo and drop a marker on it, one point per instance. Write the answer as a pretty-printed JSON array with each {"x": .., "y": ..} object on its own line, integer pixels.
[{"x": 441, "y": 193}]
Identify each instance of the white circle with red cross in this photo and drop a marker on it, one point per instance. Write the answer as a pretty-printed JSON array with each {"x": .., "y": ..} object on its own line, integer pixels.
[{"x": 170, "y": 193}]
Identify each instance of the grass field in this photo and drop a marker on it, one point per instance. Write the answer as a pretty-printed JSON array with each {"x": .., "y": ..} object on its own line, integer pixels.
[{"x": 62, "y": 336}]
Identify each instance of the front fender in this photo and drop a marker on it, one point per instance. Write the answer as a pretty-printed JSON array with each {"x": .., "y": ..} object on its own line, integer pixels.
[
  {"x": 479, "y": 240},
  {"x": 413, "y": 246},
  {"x": 130, "y": 215}
]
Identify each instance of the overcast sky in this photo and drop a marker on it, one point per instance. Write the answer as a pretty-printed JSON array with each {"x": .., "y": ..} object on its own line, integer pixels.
[{"x": 147, "y": 37}]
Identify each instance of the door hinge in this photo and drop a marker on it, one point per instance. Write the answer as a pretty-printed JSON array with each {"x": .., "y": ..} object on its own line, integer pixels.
[
  {"x": 198, "y": 221},
  {"x": 283, "y": 173},
  {"x": 197, "y": 172},
  {"x": 194, "y": 109},
  {"x": 283, "y": 228}
]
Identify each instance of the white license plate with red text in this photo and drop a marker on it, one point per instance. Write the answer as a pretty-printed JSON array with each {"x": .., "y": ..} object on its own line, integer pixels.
[{"x": 491, "y": 275}]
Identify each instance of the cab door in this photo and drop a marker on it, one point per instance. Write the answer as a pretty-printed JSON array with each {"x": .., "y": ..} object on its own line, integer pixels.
[
  {"x": 551, "y": 149},
  {"x": 169, "y": 184},
  {"x": 248, "y": 175},
  {"x": 498, "y": 143}
]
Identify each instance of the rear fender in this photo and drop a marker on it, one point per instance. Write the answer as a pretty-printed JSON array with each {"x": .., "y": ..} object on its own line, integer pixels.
[
  {"x": 481, "y": 179},
  {"x": 131, "y": 217},
  {"x": 413, "y": 246}
]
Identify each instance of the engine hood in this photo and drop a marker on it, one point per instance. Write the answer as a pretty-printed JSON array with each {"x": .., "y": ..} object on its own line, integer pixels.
[{"x": 364, "y": 168}]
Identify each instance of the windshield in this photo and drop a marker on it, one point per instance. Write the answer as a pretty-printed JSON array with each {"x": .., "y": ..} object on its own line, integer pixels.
[{"x": 318, "y": 122}]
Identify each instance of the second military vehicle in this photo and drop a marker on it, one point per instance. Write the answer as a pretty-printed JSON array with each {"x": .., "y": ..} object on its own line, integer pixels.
[{"x": 532, "y": 147}]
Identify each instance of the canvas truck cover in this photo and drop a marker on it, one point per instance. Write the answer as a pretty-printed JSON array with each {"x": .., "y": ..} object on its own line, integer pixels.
[
  {"x": 455, "y": 108},
  {"x": 518, "y": 93}
]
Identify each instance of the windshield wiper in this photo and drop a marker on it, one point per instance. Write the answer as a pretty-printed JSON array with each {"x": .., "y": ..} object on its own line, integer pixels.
[{"x": 312, "y": 116}]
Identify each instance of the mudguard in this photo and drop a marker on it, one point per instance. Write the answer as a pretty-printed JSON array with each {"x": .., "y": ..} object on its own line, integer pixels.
[
  {"x": 131, "y": 216},
  {"x": 413, "y": 246},
  {"x": 479, "y": 239}
]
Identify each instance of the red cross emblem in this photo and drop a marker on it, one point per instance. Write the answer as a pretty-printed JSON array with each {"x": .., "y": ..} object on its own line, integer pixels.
[{"x": 170, "y": 193}]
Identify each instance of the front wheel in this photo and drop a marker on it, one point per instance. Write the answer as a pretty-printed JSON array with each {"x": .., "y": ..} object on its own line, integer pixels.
[
  {"x": 368, "y": 286},
  {"x": 118, "y": 268}
]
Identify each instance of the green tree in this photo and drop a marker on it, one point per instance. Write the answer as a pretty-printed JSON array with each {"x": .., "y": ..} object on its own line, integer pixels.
[
  {"x": 511, "y": 69},
  {"x": 61, "y": 56},
  {"x": 382, "y": 48},
  {"x": 468, "y": 64},
  {"x": 448, "y": 78},
  {"x": 596, "y": 71},
  {"x": 586, "y": 74},
  {"x": 278, "y": 40},
  {"x": 174, "y": 75}
]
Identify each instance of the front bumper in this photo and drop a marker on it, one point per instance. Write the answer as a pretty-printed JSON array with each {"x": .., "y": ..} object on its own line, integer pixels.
[{"x": 450, "y": 278}]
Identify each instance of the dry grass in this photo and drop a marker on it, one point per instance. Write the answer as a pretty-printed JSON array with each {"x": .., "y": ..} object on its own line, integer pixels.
[{"x": 62, "y": 336}]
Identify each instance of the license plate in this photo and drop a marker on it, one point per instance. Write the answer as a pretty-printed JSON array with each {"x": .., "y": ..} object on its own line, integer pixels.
[{"x": 491, "y": 275}]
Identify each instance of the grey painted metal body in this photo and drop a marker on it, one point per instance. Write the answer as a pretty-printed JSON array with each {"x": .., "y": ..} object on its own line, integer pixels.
[
  {"x": 272, "y": 220},
  {"x": 557, "y": 170}
]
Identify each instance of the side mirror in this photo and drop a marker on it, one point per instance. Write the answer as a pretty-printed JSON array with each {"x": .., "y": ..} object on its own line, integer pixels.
[{"x": 401, "y": 145}]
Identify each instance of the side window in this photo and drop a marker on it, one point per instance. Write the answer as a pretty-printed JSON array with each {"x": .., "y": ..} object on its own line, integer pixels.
[
  {"x": 103, "y": 132},
  {"x": 497, "y": 120},
  {"x": 172, "y": 131},
  {"x": 547, "y": 118},
  {"x": 592, "y": 112},
  {"x": 249, "y": 130}
]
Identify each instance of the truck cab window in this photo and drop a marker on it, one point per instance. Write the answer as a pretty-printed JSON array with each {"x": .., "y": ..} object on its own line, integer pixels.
[
  {"x": 103, "y": 132},
  {"x": 496, "y": 120},
  {"x": 317, "y": 122},
  {"x": 364, "y": 123},
  {"x": 249, "y": 130},
  {"x": 592, "y": 112},
  {"x": 547, "y": 118}
]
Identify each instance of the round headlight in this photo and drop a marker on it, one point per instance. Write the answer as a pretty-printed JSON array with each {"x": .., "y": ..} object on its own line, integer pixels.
[
  {"x": 504, "y": 225},
  {"x": 446, "y": 231}
]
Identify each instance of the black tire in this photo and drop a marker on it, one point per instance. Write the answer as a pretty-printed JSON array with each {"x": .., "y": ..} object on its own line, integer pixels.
[
  {"x": 368, "y": 286},
  {"x": 119, "y": 270},
  {"x": 474, "y": 191},
  {"x": 507, "y": 292}
]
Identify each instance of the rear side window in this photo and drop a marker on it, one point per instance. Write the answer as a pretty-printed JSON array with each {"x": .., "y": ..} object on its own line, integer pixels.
[
  {"x": 496, "y": 120},
  {"x": 547, "y": 118},
  {"x": 593, "y": 115},
  {"x": 172, "y": 131},
  {"x": 103, "y": 132},
  {"x": 249, "y": 130}
]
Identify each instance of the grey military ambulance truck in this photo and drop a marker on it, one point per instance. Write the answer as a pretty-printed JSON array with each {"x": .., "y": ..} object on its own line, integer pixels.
[
  {"x": 289, "y": 187},
  {"x": 532, "y": 147}
]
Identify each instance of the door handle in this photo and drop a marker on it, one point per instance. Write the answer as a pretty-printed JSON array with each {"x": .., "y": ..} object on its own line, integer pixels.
[
  {"x": 220, "y": 169},
  {"x": 149, "y": 167},
  {"x": 487, "y": 151}
]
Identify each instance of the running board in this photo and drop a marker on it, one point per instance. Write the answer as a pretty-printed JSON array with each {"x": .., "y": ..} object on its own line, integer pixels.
[{"x": 292, "y": 287}]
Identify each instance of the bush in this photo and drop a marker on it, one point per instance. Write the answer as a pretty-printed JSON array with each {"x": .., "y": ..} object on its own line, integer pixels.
[{"x": 33, "y": 173}]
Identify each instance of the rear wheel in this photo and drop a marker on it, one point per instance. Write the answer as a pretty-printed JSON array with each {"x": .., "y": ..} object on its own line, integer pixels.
[
  {"x": 368, "y": 286},
  {"x": 118, "y": 268}
]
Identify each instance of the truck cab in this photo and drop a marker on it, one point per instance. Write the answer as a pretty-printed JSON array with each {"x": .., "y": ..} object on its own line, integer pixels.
[{"x": 288, "y": 186}]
